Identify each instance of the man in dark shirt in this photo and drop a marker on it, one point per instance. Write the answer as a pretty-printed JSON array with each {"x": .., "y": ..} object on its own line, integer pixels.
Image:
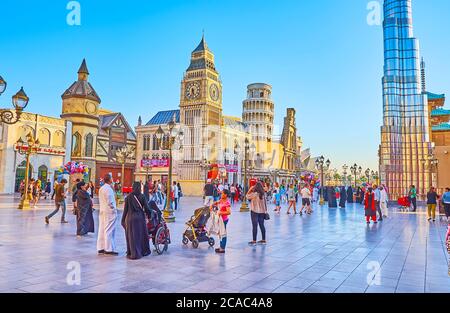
[
  {"x": 60, "y": 202},
  {"x": 208, "y": 192},
  {"x": 432, "y": 198}
]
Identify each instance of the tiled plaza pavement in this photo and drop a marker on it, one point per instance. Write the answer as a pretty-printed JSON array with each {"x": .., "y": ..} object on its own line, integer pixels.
[{"x": 331, "y": 251}]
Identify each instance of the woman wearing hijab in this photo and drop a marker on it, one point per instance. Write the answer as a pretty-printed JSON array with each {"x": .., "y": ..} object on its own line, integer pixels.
[
  {"x": 350, "y": 194},
  {"x": 85, "y": 220},
  {"x": 369, "y": 206},
  {"x": 133, "y": 221},
  {"x": 343, "y": 197}
]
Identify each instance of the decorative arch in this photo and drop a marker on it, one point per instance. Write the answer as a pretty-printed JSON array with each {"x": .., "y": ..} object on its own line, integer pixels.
[
  {"x": 44, "y": 136},
  {"x": 76, "y": 144},
  {"x": 59, "y": 139},
  {"x": 24, "y": 130},
  {"x": 89, "y": 145}
]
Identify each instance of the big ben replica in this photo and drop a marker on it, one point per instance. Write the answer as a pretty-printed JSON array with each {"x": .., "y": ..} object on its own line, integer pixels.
[
  {"x": 201, "y": 117},
  {"x": 81, "y": 107}
]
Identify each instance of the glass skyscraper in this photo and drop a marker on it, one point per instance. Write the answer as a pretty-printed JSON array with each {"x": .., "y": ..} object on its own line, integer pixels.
[{"x": 405, "y": 135}]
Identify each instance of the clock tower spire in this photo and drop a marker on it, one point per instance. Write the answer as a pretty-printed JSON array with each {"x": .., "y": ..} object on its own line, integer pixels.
[{"x": 201, "y": 111}]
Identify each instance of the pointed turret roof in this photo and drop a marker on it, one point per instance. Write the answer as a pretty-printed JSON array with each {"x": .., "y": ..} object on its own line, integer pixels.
[
  {"x": 83, "y": 68},
  {"x": 82, "y": 88},
  {"x": 202, "y": 46}
]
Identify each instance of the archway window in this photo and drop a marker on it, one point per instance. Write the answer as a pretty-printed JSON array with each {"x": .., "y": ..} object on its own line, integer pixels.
[
  {"x": 89, "y": 145},
  {"x": 58, "y": 139},
  {"x": 76, "y": 145},
  {"x": 44, "y": 137},
  {"x": 43, "y": 174},
  {"x": 24, "y": 131},
  {"x": 155, "y": 145}
]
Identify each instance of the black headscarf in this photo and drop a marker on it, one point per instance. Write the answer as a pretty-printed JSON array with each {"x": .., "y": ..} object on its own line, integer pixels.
[{"x": 136, "y": 189}]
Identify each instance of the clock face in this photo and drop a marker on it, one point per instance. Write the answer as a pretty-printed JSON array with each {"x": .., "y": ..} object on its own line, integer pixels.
[
  {"x": 193, "y": 90},
  {"x": 91, "y": 108},
  {"x": 214, "y": 92}
]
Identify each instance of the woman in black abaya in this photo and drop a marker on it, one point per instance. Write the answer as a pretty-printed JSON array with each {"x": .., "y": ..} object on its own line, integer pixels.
[
  {"x": 343, "y": 197},
  {"x": 133, "y": 220},
  {"x": 350, "y": 194},
  {"x": 85, "y": 220}
]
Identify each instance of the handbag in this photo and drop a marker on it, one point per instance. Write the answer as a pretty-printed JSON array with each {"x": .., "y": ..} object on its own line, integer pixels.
[{"x": 266, "y": 215}]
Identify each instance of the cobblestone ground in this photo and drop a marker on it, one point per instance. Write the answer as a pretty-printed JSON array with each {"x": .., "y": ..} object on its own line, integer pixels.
[{"x": 331, "y": 251}]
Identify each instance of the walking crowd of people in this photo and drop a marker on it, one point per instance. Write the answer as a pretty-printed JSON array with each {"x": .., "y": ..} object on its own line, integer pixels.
[{"x": 143, "y": 203}]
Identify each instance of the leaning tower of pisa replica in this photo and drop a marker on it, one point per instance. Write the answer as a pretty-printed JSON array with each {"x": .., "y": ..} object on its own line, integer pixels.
[{"x": 258, "y": 115}]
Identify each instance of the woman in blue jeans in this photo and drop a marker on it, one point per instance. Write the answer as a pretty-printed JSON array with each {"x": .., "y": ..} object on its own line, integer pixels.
[{"x": 258, "y": 211}]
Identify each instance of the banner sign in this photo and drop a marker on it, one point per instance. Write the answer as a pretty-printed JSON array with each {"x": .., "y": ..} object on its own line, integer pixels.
[{"x": 155, "y": 163}]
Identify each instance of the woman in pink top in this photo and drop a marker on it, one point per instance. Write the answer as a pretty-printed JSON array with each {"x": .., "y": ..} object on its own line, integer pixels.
[{"x": 224, "y": 211}]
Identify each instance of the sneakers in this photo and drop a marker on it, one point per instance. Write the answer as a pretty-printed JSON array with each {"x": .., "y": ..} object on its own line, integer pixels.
[
  {"x": 47, "y": 220},
  {"x": 252, "y": 243},
  {"x": 262, "y": 242},
  {"x": 111, "y": 253},
  {"x": 218, "y": 250}
]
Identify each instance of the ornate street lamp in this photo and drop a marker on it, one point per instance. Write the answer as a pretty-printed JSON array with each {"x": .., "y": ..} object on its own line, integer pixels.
[
  {"x": 355, "y": 170},
  {"x": 27, "y": 148},
  {"x": 344, "y": 168},
  {"x": 147, "y": 164},
  {"x": 205, "y": 165},
  {"x": 367, "y": 172},
  {"x": 19, "y": 101},
  {"x": 174, "y": 135},
  {"x": 322, "y": 165},
  {"x": 244, "y": 207}
]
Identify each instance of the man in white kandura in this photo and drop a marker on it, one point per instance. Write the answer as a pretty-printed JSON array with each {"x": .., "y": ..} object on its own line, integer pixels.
[{"x": 107, "y": 218}]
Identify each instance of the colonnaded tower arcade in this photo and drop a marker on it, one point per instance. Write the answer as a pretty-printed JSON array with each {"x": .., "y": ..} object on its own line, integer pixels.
[{"x": 258, "y": 115}]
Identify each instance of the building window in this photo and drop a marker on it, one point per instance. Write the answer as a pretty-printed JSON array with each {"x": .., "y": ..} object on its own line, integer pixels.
[
  {"x": 89, "y": 145},
  {"x": 155, "y": 145},
  {"x": 43, "y": 175},
  {"x": 146, "y": 143},
  {"x": 44, "y": 137},
  {"x": 76, "y": 145},
  {"x": 58, "y": 139}
]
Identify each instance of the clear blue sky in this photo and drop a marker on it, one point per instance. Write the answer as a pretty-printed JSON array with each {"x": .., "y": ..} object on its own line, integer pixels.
[{"x": 321, "y": 57}]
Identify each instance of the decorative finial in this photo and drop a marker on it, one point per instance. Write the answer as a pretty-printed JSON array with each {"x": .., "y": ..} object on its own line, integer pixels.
[{"x": 139, "y": 121}]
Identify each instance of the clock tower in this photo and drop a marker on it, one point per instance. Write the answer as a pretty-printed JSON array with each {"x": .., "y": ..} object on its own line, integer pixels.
[
  {"x": 200, "y": 114},
  {"x": 80, "y": 105}
]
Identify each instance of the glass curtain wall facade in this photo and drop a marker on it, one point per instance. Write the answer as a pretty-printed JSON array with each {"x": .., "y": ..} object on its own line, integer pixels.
[{"x": 405, "y": 138}]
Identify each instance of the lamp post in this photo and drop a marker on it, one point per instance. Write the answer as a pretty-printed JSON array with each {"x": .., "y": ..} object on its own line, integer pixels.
[
  {"x": 122, "y": 155},
  {"x": 367, "y": 172},
  {"x": 375, "y": 176},
  {"x": 27, "y": 148},
  {"x": 19, "y": 101},
  {"x": 344, "y": 168},
  {"x": 244, "y": 207},
  {"x": 355, "y": 170},
  {"x": 147, "y": 164},
  {"x": 321, "y": 165},
  {"x": 205, "y": 165},
  {"x": 174, "y": 135}
]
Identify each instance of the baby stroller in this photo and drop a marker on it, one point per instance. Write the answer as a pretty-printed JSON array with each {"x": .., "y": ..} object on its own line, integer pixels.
[
  {"x": 196, "y": 228},
  {"x": 404, "y": 203},
  {"x": 158, "y": 232}
]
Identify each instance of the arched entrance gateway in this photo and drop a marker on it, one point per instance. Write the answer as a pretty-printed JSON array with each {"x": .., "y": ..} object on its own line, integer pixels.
[
  {"x": 43, "y": 175},
  {"x": 20, "y": 174}
]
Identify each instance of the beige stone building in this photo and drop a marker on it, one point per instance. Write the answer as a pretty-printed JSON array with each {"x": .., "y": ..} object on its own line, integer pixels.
[
  {"x": 97, "y": 133},
  {"x": 210, "y": 137},
  {"x": 52, "y": 134}
]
